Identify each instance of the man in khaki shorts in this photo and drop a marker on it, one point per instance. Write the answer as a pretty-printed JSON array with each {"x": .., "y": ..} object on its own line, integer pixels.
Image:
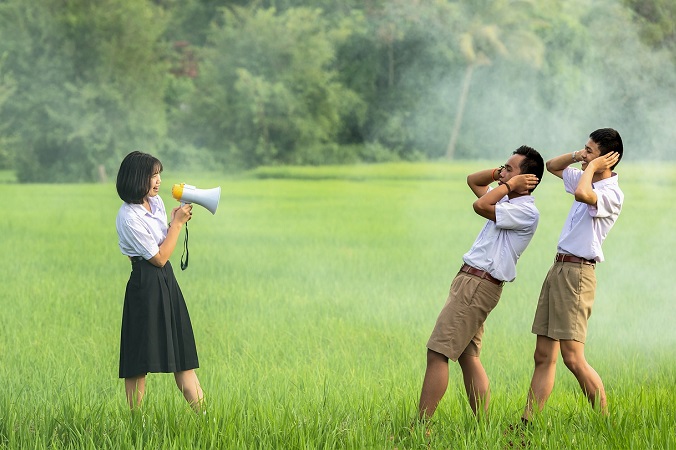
[
  {"x": 475, "y": 291},
  {"x": 567, "y": 294}
]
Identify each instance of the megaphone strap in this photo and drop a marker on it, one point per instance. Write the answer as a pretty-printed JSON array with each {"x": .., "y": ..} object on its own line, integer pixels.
[{"x": 184, "y": 264}]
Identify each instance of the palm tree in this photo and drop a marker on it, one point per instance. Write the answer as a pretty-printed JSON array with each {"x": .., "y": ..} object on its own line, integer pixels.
[{"x": 495, "y": 29}]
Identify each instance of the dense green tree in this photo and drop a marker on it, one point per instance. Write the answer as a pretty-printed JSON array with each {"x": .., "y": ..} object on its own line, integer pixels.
[
  {"x": 657, "y": 22},
  {"x": 89, "y": 84},
  {"x": 266, "y": 92},
  {"x": 393, "y": 60},
  {"x": 190, "y": 20},
  {"x": 250, "y": 82}
]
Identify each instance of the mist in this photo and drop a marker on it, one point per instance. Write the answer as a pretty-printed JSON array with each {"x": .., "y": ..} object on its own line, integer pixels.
[
  {"x": 229, "y": 89},
  {"x": 616, "y": 82}
]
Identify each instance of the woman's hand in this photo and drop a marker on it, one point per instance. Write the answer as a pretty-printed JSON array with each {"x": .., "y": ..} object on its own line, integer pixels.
[{"x": 181, "y": 214}]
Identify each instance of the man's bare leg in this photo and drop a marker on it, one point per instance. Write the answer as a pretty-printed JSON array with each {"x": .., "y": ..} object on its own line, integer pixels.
[
  {"x": 590, "y": 381},
  {"x": 542, "y": 383},
  {"x": 434, "y": 384},
  {"x": 476, "y": 382}
]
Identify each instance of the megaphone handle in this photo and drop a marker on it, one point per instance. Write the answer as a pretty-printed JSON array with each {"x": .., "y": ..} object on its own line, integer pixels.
[
  {"x": 186, "y": 254},
  {"x": 184, "y": 264}
]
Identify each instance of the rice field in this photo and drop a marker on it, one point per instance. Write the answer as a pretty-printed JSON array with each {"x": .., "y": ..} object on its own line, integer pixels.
[{"x": 312, "y": 293}]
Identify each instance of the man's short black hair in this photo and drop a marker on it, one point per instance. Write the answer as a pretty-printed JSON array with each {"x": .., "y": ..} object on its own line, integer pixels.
[
  {"x": 608, "y": 140},
  {"x": 133, "y": 178},
  {"x": 532, "y": 162}
]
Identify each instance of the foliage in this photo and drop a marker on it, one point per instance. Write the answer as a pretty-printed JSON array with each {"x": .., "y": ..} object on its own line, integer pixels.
[
  {"x": 89, "y": 84},
  {"x": 656, "y": 21},
  {"x": 267, "y": 92},
  {"x": 394, "y": 61},
  {"x": 239, "y": 84}
]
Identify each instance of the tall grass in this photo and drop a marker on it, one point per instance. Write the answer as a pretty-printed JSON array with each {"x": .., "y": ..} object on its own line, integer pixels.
[{"x": 312, "y": 294}]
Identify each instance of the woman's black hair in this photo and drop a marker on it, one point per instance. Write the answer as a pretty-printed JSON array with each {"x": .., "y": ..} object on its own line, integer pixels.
[{"x": 133, "y": 178}]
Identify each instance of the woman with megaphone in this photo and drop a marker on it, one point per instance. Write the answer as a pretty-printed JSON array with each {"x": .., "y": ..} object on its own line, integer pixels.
[{"x": 156, "y": 334}]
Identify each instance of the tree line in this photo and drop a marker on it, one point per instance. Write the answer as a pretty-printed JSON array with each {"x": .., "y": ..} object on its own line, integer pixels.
[{"x": 239, "y": 84}]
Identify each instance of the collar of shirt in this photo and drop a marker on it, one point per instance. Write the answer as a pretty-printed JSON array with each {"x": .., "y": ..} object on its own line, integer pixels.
[
  {"x": 139, "y": 209},
  {"x": 613, "y": 179},
  {"x": 520, "y": 199}
]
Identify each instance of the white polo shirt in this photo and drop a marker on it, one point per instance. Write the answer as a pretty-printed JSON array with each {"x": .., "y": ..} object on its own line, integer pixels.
[
  {"x": 141, "y": 231},
  {"x": 501, "y": 243},
  {"x": 587, "y": 226}
]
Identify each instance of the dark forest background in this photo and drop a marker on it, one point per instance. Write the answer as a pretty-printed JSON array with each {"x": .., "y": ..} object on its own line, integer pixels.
[{"x": 233, "y": 85}]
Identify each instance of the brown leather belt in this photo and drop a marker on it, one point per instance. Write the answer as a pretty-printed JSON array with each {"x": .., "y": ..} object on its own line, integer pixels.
[
  {"x": 560, "y": 257},
  {"x": 480, "y": 273}
]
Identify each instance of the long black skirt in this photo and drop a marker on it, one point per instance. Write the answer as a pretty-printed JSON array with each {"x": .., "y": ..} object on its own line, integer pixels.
[{"x": 156, "y": 330}]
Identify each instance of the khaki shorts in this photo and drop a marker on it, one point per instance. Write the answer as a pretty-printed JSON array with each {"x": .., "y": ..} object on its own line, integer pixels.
[
  {"x": 566, "y": 301},
  {"x": 460, "y": 325}
]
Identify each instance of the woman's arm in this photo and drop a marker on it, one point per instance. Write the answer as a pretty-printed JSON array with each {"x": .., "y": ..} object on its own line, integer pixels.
[{"x": 180, "y": 216}]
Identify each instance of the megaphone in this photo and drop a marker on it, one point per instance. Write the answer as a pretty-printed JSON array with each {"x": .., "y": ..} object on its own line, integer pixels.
[{"x": 208, "y": 198}]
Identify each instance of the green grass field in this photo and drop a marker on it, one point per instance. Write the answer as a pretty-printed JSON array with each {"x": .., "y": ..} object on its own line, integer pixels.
[{"x": 312, "y": 293}]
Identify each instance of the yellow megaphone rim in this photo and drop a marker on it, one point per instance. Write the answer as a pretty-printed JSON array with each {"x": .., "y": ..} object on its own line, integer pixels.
[{"x": 177, "y": 191}]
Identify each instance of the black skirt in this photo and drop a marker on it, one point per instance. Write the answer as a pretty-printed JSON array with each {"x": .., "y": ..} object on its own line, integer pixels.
[{"x": 156, "y": 330}]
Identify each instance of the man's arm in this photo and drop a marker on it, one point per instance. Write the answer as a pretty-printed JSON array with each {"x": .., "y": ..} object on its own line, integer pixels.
[
  {"x": 556, "y": 166},
  {"x": 584, "y": 192},
  {"x": 485, "y": 205},
  {"x": 478, "y": 182},
  {"x": 520, "y": 184}
]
